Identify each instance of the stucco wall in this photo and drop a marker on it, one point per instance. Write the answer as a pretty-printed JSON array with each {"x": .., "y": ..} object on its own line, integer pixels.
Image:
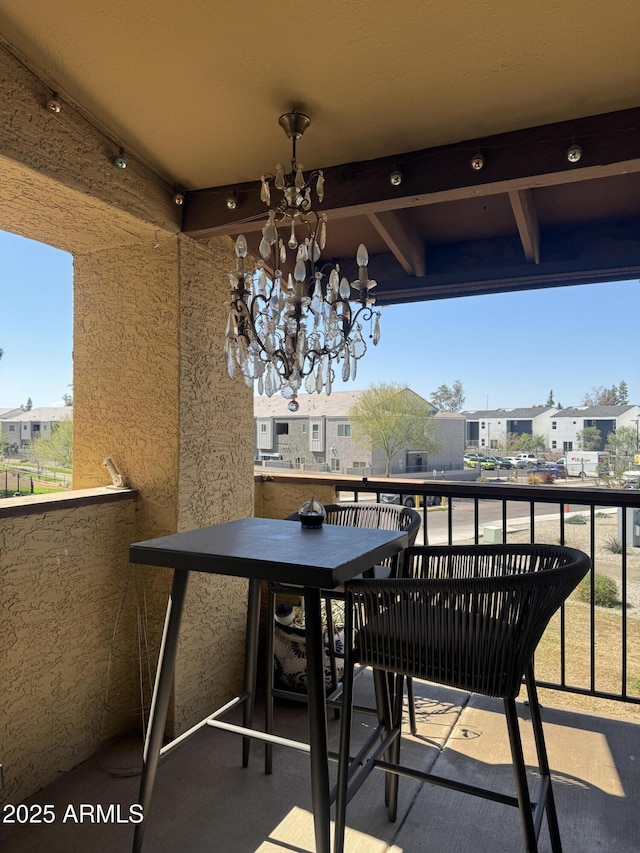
[
  {"x": 215, "y": 480},
  {"x": 281, "y": 498},
  {"x": 150, "y": 387},
  {"x": 64, "y": 582}
]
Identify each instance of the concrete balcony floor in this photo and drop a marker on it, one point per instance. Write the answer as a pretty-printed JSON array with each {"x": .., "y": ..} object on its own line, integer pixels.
[{"x": 205, "y": 801}]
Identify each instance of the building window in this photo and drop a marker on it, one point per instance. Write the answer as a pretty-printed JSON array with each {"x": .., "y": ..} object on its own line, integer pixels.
[
  {"x": 282, "y": 429},
  {"x": 482, "y": 442},
  {"x": 554, "y": 424},
  {"x": 12, "y": 428},
  {"x": 344, "y": 430},
  {"x": 567, "y": 445},
  {"x": 335, "y": 464},
  {"x": 358, "y": 464},
  {"x": 263, "y": 427},
  {"x": 315, "y": 431},
  {"x": 482, "y": 425},
  {"x": 36, "y": 427},
  {"x": 553, "y": 445},
  {"x": 304, "y": 429}
]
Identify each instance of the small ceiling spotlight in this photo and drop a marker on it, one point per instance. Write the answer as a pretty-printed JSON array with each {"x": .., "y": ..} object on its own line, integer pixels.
[
  {"x": 232, "y": 202},
  {"x": 178, "y": 198},
  {"x": 120, "y": 161},
  {"x": 396, "y": 178},
  {"x": 53, "y": 104},
  {"x": 477, "y": 162},
  {"x": 574, "y": 153}
]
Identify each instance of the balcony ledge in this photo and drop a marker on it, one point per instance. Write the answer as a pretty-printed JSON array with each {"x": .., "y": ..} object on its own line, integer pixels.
[{"x": 31, "y": 504}]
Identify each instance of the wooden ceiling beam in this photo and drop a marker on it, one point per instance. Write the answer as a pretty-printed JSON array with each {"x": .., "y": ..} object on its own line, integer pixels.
[
  {"x": 403, "y": 240},
  {"x": 526, "y": 217},
  {"x": 516, "y": 161}
]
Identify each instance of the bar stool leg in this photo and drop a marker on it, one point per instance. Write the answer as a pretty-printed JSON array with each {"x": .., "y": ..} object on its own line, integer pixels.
[{"x": 160, "y": 699}]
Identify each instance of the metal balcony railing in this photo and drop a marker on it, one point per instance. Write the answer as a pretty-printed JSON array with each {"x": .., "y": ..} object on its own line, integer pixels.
[{"x": 591, "y": 649}]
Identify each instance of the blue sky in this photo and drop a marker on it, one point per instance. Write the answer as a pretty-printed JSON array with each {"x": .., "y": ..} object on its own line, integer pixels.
[{"x": 509, "y": 349}]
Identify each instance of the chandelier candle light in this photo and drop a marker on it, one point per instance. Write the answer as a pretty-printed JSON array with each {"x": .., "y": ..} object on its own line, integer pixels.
[{"x": 286, "y": 333}]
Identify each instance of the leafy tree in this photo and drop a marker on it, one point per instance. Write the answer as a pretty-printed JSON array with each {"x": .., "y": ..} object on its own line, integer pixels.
[
  {"x": 550, "y": 402},
  {"x": 622, "y": 442},
  {"x": 449, "y": 399},
  {"x": 26, "y": 407},
  {"x": 57, "y": 448},
  {"x": 617, "y": 395},
  {"x": 393, "y": 418},
  {"x": 528, "y": 442},
  {"x": 590, "y": 438},
  {"x": 621, "y": 447},
  {"x": 67, "y": 399}
]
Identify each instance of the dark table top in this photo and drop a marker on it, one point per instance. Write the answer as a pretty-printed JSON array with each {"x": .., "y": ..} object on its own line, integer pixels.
[{"x": 273, "y": 550}]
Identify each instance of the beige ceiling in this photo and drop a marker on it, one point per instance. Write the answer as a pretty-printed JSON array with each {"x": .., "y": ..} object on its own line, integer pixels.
[{"x": 194, "y": 88}]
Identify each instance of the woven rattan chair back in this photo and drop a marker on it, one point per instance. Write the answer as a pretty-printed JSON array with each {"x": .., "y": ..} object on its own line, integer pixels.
[{"x": 468, "y": 617}]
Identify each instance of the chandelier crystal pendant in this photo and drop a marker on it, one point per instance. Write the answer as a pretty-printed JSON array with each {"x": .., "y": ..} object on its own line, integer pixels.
[{"x": 302, "y": 330}]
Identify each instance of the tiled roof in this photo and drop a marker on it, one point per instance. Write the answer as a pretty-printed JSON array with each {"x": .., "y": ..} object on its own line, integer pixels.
[
  {"x": 594, "y": 411},
  {"x": 509, "y": 414},
  {"x": 45, "y": 413},
  {"x": 311, "y": 405}
]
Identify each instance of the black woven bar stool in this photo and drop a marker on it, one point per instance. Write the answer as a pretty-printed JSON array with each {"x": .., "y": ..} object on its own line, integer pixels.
[
  {"x": 379, "y": 516},
  {"x": 468, "y": 617}
]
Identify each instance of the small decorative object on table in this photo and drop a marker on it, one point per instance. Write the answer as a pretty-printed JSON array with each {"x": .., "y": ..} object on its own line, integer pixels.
[{"x": 311, "y": 514}]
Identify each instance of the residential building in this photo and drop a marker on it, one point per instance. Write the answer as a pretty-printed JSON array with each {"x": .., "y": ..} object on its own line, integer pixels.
[
  {"x": 318, "y": 437},
  {"x": 488, "y": 429},
  {"x": 20, "y": 427},
  {"x": 566, "y": 424}
]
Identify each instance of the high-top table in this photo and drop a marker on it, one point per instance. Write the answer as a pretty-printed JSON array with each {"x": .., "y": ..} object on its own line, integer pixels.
[{"x": 259, "y": 549}]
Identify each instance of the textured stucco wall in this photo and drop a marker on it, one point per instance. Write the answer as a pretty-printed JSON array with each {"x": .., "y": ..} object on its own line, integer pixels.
[
  {"x": 126, "y": 374},
  {"x": 279, "y": 499},
  {"x": 150, "y": 391},
  {"x": 63, "y": 583},
  {"x": 215, "y": 481}
]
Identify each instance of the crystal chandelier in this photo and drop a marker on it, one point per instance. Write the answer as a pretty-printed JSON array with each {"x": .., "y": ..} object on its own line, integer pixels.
[{"x": 286, "y": 333}]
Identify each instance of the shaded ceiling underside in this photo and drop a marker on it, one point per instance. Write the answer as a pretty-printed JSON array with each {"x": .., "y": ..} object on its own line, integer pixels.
[
  {"x": 194, "y": 91},
  {"x": 528, "y": 219}
]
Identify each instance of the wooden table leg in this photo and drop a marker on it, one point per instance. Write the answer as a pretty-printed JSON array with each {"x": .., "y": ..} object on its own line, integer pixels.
[{"x": 160, "y": 700}]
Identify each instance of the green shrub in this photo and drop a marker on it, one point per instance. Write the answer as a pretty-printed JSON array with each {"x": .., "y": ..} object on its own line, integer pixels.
[
  {"x": 613, "y": 545},
  {"x": 605, "y": 592},
  {"x": 575, "y": 519}
]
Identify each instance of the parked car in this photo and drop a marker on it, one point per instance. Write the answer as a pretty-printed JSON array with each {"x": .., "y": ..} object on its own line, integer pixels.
[
  {"x": 501, "y": 461},
  {"x": 411, "y": 500},
  {"x": 631, "y": 477},
  {"x": 516, "y": 461},
  {"x": 486, "y": 463},
  {"x": 548, "y": 470},
  {"x": 529, "y": 459},
  {"x": 472, "y": 457}
]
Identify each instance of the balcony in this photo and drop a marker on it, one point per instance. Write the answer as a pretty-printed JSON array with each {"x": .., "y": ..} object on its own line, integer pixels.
[{"x": 590, "y": 677}]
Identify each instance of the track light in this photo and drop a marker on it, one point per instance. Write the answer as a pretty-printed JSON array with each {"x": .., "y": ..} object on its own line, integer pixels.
[
  {"x": 477, "y": 162},
  {"x": 574, "y": 153},
  {"x": 120, "y": 161},
  {"x": 396, "y": 178},
  {"x": 232, "y": 202},
  {"x": 53, "y": 104}
]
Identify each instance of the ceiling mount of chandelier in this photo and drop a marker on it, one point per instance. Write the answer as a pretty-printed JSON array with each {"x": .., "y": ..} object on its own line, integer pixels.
[{"x": 300, "y": 331}]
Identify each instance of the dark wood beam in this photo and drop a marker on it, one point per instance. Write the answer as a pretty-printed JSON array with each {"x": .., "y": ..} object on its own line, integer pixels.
[
  {"x": 403, "y": 240},
  {"x": 516, "y": 161},
  {"x": 524, "y": 210},
  {"x": 572, "y": 255}
]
